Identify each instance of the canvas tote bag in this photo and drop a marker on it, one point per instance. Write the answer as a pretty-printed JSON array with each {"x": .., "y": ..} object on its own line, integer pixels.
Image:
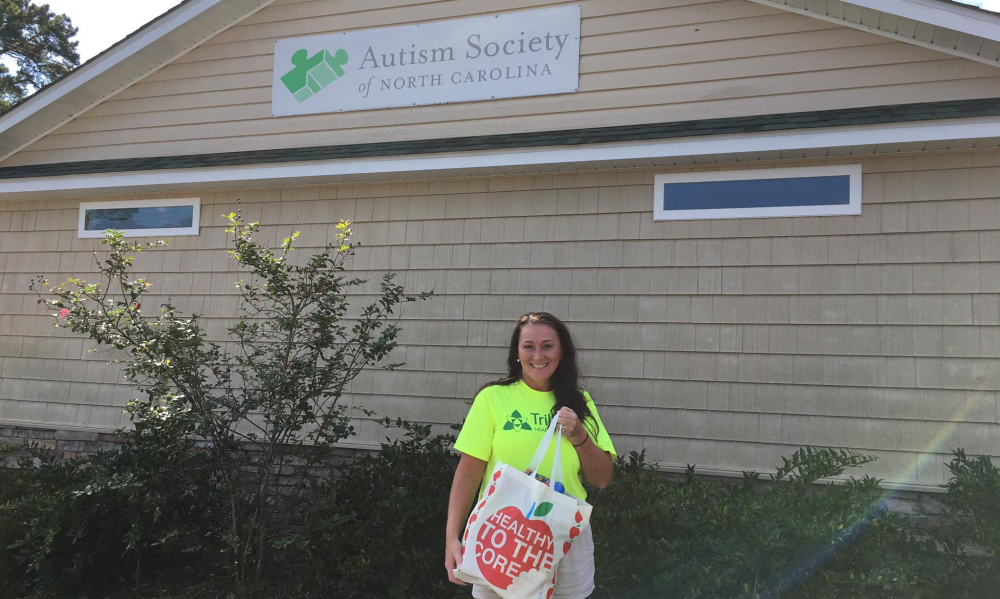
[{"x": 521, "y": 528}]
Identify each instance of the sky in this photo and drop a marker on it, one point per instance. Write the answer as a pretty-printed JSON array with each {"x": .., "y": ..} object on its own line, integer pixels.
[
  {"x": 101, "y": 23},
  {"x": 104, "y": 22},
  {"x": 993, "y": 5}
]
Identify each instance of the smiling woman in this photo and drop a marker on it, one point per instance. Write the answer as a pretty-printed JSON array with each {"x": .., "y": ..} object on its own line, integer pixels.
[{"x": 508, "y": 420}]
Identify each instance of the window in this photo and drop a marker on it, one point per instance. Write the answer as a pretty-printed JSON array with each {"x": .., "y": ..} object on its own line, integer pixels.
[
  {"x": 777, "y": 192},
  {"x": 140, "y": 218}
]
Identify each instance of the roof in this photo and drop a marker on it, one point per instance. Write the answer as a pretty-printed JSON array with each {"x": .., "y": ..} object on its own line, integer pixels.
[
  {"x": 943, "y": 25},
  {"x": 95, "y": 58},
  {"x": 969, "y": 6},
  {"x": 154, "y": 45},
  {"x": 946, "y": 26},
  {"x": 904, "y": 113}
]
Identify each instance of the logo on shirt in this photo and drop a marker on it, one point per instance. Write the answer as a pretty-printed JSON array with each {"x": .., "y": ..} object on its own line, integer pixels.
[{"x": 515, "y": 422}]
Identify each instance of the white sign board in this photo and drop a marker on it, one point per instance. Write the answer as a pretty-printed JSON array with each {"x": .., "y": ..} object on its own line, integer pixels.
[{"x": 509, "y": 55}]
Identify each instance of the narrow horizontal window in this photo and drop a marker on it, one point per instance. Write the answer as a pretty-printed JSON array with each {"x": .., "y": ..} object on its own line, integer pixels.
[
  {"x": 779, "y": 192},
  {"x": 141, "y": 218}
]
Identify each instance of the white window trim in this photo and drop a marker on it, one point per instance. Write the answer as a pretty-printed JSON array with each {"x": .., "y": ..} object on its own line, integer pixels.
[
  {"x": 852, "y": 208},
  {"x": 192, "y": 230}
]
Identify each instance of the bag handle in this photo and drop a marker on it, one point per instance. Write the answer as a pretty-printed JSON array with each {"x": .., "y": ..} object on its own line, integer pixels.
[
  {"x": 543, "y": 448},
  {"x": 556, "y": 481}
]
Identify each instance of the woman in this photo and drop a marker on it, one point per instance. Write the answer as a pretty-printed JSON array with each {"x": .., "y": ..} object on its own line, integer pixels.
[{"x": 506, "y": 423}]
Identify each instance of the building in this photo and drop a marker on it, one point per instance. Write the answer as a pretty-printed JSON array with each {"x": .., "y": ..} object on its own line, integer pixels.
[{"x": 769, "y": 223}]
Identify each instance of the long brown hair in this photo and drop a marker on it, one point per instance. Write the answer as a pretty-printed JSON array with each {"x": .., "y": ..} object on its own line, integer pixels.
[{"x": 565, "y": 381}]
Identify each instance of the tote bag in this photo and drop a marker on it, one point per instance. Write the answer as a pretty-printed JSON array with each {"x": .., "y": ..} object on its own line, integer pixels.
[{"x": 521, "y": 528}]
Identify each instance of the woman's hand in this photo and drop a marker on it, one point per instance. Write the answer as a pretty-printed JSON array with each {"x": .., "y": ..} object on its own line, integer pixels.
[
  {"x": 595, "y": 463},
  {"x": 453, "y": 559},
  {"x": 572, "y": 429}
]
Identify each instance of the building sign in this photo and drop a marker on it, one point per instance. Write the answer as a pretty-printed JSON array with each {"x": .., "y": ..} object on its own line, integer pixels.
[{"x": 510, "y": 55}]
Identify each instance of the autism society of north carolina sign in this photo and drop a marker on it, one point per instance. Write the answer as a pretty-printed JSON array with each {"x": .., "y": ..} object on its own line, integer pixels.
[{"x": 527, "y": 53}]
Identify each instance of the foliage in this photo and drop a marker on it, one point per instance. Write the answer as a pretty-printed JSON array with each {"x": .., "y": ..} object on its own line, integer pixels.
[
  {"x": 277, "y": 391},
  {"x": 74, "y": 527},
  {"x": 789, "y": 538},
  {"x": 39, "y": 42},
  {"x": 376, "y": 530},
  {"x": 962, "y": 550},
  {"x": 181, "y": 490}
]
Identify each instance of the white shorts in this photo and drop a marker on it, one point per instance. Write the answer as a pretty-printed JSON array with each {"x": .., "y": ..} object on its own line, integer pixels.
[{"x": 574, "y": 575}]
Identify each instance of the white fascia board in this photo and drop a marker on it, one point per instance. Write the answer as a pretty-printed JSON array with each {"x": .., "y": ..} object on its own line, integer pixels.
[
  {"x": 958, "y": 19},
  {"x": 106, "y": 61},
  {"x": 103, "y": 63},
  {"x": 409, "y": 166},
  {"x": 964, "y": 20}
]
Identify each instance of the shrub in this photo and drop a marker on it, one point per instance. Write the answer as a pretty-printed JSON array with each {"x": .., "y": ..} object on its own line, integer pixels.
[
  {"x": 276, "y": 387},
  {"x": 718, "y": 540},
  {"x": 68, "y": 529},
  {"x": 377, "y": 529},
  {"x": 961, "y": 552}
]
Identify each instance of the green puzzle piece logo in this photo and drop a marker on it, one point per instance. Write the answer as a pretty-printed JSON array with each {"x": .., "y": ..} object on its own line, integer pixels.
[{"x": 313, "y": 73}]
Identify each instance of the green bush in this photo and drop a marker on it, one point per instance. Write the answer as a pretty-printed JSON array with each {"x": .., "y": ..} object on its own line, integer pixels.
[
  {"x": 377, "y": 530},
  {"x": 274, "y": 386},
  {"x": 791, "y": 538},
  {"x": 73, "y": 529},
  {"x": 961, "y": 551}
]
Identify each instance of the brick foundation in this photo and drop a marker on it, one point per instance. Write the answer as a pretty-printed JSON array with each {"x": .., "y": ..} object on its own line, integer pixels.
[
  {"x": 71, "y": 444},
  {"x": 67, "y": 444}
]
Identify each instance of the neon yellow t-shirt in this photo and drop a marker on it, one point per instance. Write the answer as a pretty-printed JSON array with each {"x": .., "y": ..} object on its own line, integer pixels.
[{"x": 507, "y": 423}]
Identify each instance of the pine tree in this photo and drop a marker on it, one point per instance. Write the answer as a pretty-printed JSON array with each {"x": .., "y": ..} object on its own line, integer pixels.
[{"x": 38, "y": 42}]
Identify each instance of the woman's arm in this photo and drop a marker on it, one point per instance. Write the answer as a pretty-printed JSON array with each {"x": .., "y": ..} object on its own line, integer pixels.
[
  {"x": 468, "y": 476},
  {"x": 595, "y": 463}
]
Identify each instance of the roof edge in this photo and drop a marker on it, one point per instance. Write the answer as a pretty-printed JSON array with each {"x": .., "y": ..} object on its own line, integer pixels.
[
  {"x": 97, "y": 57},
  {"x": 965, "y": 20},
  {"x": 799, "y": 121},
  {"x": 951, "y": 15},
  {"x": 142, "y": 37},
  {"x": 970, "y": 7},
  {"x": 150, "y": 33},
  {"x": 837, "y": 143}
]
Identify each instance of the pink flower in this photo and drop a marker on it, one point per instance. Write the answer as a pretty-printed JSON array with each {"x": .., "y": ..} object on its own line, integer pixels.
[{"x": 64, "y": 313}]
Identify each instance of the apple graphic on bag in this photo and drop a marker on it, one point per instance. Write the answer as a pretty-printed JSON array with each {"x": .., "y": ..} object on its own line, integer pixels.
[{"x": 511, "y": 544}]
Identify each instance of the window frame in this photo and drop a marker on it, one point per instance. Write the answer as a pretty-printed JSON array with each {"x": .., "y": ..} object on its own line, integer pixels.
[
  {"x": 194, "y": 202},
  {"x": 852, "y": 208}
]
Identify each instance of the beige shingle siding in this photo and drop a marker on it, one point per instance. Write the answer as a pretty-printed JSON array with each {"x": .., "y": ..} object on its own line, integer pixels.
[
  {"x": 721, "y": 343},
  {"x": 640, "y": 62}
]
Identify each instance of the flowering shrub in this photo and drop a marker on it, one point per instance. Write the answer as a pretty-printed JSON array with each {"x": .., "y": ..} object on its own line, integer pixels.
[{"x": 277, "y": 392}]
